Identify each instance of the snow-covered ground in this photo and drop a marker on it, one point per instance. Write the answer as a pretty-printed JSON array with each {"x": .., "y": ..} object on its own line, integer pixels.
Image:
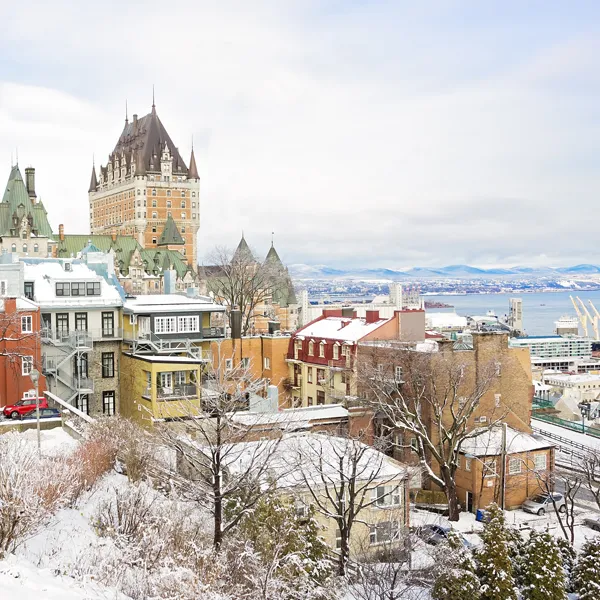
[{"x": 574, "y": 436}]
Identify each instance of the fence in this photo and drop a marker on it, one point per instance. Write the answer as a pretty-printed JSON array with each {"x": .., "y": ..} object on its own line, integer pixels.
[{"x": 578, "y": 427}]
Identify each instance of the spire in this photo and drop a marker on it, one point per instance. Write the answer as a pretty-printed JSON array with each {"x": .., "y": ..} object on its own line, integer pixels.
[
  {"x": 193, "y": 170},
  {"x": 93, "y": 180},
  {"x": 272, "y": 236},
  {"x": 126, "y": 118},
  {"x": 170, "y": 235},
  {"x": 153, "y": 105}
]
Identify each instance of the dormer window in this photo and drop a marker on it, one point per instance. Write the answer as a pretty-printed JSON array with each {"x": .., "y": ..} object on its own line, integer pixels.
[
  {"x": 336, "y": 351},
  {"x": 322, "y": 350},
  {"x": 311, "y": 348}
]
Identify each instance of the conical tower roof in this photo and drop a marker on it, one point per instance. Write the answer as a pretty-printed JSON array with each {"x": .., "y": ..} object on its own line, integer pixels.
[
  {"x": 273, "y": 258},
  {"x": 93, "y": 180},
  {"x": 193, "y": 170},
  {"x": 243, "y": 252},
  {"x": 170, "y": 235}
]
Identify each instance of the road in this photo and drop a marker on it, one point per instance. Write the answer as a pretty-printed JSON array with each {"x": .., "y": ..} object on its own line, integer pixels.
[{"x": 582, "y": 495}]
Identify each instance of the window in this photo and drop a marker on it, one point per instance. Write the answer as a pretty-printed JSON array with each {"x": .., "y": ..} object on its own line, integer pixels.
[
  {"x": 183, "y": 230},
  {"x": 62, "y": 323},
  {"x": 108, "y": 364},
  {"x": 322, "y": 350},
  {"x": 28, "y": 290},
  {"x": 386, "y": 531},
  {"x": 497, "y": 400},
  {"x": 183, "y": 215},
  {"x": 398, "y": 373},
  {"x": 78, "y": 289},
  {"x": 193, "y": 215},
  {"x": 245, "y": 363},
  {"x": 26, "y": 365},
  {"x": 320, "y": 376},
  {"x": 153, "y": 203},
  {"x": 188, "y": 324},
  {"x": 155, "y": 215},
  {"x": 24, "y": 247},
  {"x": 311, "y": 348},
  {"x": 193, "y": 194},
  {"x": 228, "y": 364},
  {"x": 108, "y": 324},
  {"x": 301, "y": 508},
  {"x": 168, "y": 193},
  {"x": 309, "y": 374},
  {"x": 154, "y": 192},
  {"x": 540, "y": 462},
  {"x": 165, "y": 325},
  {"x": 154, "y": 240},
  {"x": 180, "y": 377},
  {"x": 387, "y": 495},
  {"x": 467, "y": 464},
  {"x": 183, "y": 201},
  {"x": 310, "y": 401},
  {"x": 63, "y": 289},
  {"x": 168, "y": 204},
  {"x": 80, "y": 365},
  {"x": 108, "y": 403},
  {"x": 414, "y": 447},
  {"x": 27, "y": 324},
  {"x": 498, "y": 369},
  {"x": 36, "y": 248},
  {"x": 320, "y": 397},
  {"x": 83, "y": 403},
  {"x": 81, "y": 321},
  {"x": 336, "y": 351},
  {"x": 489, "y": 468},
  {"x": 267, "y": 363},
  {"x": 13, "y": 248},
  {"x": 92, "y": 288},
  {"x": 514, "y": 466}
]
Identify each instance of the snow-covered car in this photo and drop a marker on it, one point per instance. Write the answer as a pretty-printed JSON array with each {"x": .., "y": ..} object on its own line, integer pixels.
[
  {"x": 437, "y": 534},
  {"x": 541, "y": 503},
  {"x": 592, "y": 523},
  {"x": 45, "y": 413}
]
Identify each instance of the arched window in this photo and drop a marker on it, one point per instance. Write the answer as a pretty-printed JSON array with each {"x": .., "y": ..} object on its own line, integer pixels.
[
  {"x": 183, "y": 215},
  {"x": 36, "y": 248},
  {"x": 322, "y": 350},
  {"x": 311, "y": 348},
  {"x": 13, "y": 248},
  {"x": 183, "y": 204},
  {"x": 24, "y": 247}
]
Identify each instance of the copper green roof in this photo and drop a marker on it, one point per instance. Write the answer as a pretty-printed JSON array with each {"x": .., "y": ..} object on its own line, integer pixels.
[
  {"x": 243, "y": 252},
  {"x": 283, "y": 292},
  {"x": 16, "y": 205},
  {"x": 155, "y": 260},
  {"x": 170, "y": 235}
]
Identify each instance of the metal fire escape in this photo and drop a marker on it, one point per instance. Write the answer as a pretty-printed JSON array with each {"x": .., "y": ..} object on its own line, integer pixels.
[{"x": 74, "y": 346}]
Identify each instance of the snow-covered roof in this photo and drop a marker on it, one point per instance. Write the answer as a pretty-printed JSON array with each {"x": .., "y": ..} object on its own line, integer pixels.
[
  {"x": 295, "y": 457},
  {"x": 296, "y": 417},
  {"x": 340, "y": 328},
  {"x": 489, "y": 442},
  {"x": 440, "y": 320},
  {"x": 25, "y": 304},
  {"x": 45, "y": 274},
  {"x": 573, "y": 379},
  {"x": 159, "y": 358},
  {"x": 149, "y": 303}
]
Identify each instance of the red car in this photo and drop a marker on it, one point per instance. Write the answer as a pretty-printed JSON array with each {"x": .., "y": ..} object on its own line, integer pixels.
[{"x": 23, "y": 407}]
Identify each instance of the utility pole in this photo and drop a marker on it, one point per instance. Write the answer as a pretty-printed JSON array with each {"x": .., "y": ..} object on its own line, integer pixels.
[{"x": 34, "y": 375}]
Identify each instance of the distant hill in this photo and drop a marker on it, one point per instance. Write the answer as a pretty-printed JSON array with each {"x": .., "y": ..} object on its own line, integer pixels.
[{"x": 303, "y": 271}]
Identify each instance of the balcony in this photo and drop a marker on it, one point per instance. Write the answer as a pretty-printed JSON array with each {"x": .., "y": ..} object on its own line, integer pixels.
[
  {"x": 79, "y": 338},
  {"x": 297, "y": 383},
  {"x": 213, "y": 332},
  {"x": 179, "y": 392}
]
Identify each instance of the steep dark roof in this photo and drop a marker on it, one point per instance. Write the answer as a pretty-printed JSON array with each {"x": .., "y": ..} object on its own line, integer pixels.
[
  {"x": 93, "y": 180},
  {"x": 144, "y": 140},
  {"x": 243, "y": 252},
  {"x": 193, "y": 172},
  {"x": 281, "y": 283},
  {"x": 170, "y": 234},
  {"x": 16, "y": 205}
]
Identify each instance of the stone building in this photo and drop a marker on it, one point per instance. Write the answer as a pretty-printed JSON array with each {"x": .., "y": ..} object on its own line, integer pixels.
[
  {"x": 24, "y": 226},
  {"x": 144, "y": 183}
]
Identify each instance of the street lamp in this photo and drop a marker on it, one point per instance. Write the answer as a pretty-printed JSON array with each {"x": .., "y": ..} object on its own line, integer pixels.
[
  {"x": 34, "y": 375},
  {"x": 585, "y": 409}
]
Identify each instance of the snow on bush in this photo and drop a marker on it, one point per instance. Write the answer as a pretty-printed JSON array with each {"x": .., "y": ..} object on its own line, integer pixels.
[
  {"x": 32, "y": 487},
  {"x": 586, "y": 574},
  {"x": 543, "y": 572}
]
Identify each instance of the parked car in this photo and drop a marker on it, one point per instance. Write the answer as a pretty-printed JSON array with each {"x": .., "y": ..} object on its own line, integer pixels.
[
  {"x": 438, "y": 534},
  {"x": 45, "y": 413},
  {"x": 23, "y": 407},
  {"x": 592, "y": 524},
  {"x": 542, "y": 502}
]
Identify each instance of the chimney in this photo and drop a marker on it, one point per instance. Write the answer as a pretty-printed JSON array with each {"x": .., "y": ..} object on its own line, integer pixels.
[
  {"x": 274, "y": 327},
  {"x": 348, "y": 312},
  {"x": 113, "y": 234},
  {"x": 134, "y": 120},
  {"x": 61, "y": 232},
  {"x": 236, "y": 323},
  {"x": 30, "y": 182},
  {"x": 372, "y": 316}
]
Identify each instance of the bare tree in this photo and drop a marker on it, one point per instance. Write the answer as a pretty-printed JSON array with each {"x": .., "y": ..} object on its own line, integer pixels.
[
  {"x": 17, "y": 341},
  {"x": 220, "y": 467},
  {"x": 239, "y": 279},
  {"x": 431, "y": 399},
  {"x": 344, "y": 478},
  {"x": 590, "y": 466}
]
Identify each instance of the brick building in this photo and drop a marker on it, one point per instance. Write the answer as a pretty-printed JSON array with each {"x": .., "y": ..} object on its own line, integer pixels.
[{"x": 144, "y": 183}]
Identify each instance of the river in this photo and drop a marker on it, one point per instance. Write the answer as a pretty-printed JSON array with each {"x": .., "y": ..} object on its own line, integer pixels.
[{"x": 540, "y": 309}]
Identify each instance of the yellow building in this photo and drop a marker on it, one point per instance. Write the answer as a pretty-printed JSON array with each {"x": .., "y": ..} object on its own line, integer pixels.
[{"x": 166, "y": 349}]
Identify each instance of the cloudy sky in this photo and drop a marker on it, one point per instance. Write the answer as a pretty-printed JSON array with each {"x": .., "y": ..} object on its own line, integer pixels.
[{"x": 363, "y": 134}]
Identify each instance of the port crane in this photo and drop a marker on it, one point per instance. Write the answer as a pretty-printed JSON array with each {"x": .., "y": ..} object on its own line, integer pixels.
[{"x": 585, "y": 317}]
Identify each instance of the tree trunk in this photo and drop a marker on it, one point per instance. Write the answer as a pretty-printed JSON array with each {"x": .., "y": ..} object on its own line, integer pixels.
[
  {"x": 450, "y": 490},
  {"x": 218, "y": 506},
  {"x": 344, "y": 554}
]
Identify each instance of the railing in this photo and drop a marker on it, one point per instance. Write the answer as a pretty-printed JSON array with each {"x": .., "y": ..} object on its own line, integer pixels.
[
  {"x": 82, "y": 383},
  {"x": 297, "y": 381},
  {"x": 213, "y": 332},
  {"x": 80, "y": 338},
  {"x": 179, "y": 391},
  {"x": 578, "y": 427}
]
